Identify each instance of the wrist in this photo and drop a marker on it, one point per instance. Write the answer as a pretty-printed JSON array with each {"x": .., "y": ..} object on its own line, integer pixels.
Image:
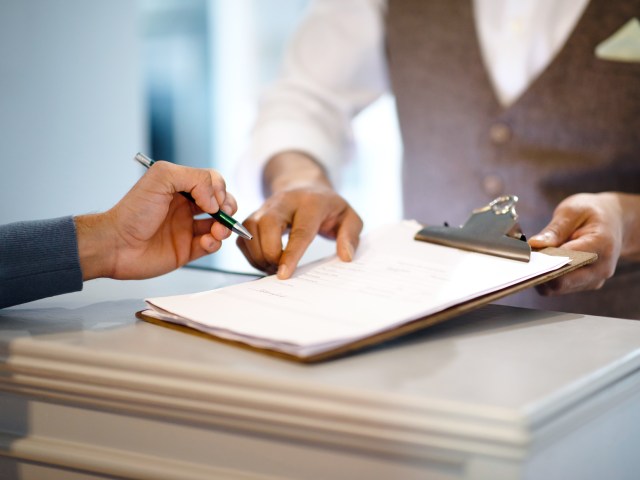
[
  {"x": 290, "y": 170},
  {"x": 96, "y": 247}
]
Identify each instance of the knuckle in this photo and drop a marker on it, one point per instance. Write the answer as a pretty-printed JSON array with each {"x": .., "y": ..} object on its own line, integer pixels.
[
  {"x": 162, "y": 164},
  {"x": 162, "y": 167},
  {"x": 251, "y": 224},
  {"x": 300, "y": 233},
  {"x": 217, "y": 179},
  {"x": 359, "y": 222},
  {"x": 263, "y": 220},
  {"x": 272, "y": 255}
]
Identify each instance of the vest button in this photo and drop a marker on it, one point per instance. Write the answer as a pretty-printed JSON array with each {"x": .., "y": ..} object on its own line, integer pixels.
[
  {"x": 499, "y": 133},
  {"x": 493, "y": 185}
]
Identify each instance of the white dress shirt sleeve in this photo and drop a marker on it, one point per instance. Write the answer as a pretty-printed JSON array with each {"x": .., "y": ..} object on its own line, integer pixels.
[{"x": 333, "y": 68}]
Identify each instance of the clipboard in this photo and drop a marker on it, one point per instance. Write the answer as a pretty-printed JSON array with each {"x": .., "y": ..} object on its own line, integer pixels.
[
  {"x": 495, "y": 221},
  {"x": 578, "y": 259}
]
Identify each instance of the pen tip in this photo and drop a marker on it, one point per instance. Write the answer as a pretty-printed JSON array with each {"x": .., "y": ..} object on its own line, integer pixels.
[{"x": 242, "y": 231}]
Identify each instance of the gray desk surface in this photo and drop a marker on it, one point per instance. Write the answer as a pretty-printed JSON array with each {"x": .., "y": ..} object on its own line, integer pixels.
[{"x": 498, "y": 356}]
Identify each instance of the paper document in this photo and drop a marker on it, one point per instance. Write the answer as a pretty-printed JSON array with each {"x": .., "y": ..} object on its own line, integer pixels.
[{"x": 392, "y": 280}]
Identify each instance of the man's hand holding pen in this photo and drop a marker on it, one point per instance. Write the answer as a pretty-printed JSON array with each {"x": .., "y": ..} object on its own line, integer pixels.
[{"x": 153, "y": 229}]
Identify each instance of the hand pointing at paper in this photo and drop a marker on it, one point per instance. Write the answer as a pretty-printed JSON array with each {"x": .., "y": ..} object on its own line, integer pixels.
[
  {"x": 304, "y": 203},
  {"x": 604, "y": 223}
]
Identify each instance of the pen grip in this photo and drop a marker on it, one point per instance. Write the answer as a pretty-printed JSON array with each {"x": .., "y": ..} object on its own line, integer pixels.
[{"x": 226, "y": 219}]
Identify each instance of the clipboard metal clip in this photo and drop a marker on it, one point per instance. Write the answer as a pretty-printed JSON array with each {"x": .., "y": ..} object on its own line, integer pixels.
[{"x": 492, "y": 229}]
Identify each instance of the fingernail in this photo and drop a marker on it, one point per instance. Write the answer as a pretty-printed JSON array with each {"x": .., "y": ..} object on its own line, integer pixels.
[
  {"x": 283, "y": 272},
  {"x": 350, "y": 252},
  {"x": 215, "y": 206},
  {"x": 542, "y": 237}
]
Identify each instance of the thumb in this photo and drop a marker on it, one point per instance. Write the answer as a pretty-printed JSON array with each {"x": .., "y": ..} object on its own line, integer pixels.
[
  {"x": 557, "y": 232},
  {"x": 206, "y": 188}
]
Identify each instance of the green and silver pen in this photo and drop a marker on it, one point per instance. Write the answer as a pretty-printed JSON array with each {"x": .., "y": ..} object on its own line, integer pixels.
[{"x": 226, "y": 220}]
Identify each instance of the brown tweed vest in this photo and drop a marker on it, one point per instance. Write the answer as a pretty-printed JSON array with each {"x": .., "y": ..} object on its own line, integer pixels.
[{"x": 576, "y": 129}]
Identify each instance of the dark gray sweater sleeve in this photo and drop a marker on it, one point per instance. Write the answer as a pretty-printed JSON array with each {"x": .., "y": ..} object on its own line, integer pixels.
[{"x": 38, "y": 259}]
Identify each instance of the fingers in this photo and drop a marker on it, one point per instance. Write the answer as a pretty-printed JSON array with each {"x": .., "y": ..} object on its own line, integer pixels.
[
  {"x": 593, "y": 276},
  {"x": 304, "y": 228},
  {"x": 229, "y": 205},
  {"x": 250, "y": 255},
  {"x": 577, "y": 281},
  {"x": 209, "y": 193},
  {"x": 305, "y": 213},
  {"x": 264, "y": 250},
  {"x": 584, "y": 222},
  {"x": 204, "y": 245},
  {"x": 565, "y": 221},
  {"x": 206, "y": 187},
  {"x": 218, "y": 230},
  {"x": 348, "y": 236},
  {"x": 336, "y": 219},
  {"x": 207, "y": 237},
  {"x": 271, "y": 227},
  {"x": 210, "y": 230}
]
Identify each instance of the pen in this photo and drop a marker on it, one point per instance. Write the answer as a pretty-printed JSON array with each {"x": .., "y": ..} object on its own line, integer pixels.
[{"x": 226, "y": 220}]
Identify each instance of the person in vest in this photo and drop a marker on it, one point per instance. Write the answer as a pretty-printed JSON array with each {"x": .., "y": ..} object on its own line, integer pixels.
[{"x": 538, "y": 98}]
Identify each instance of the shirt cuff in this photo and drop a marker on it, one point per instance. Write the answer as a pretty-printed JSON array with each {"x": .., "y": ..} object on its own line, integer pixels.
[{"x": 281, "y": 136}]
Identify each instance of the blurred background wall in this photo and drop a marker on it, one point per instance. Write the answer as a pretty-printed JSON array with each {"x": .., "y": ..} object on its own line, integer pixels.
[{"x": 71, "y": 110}]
